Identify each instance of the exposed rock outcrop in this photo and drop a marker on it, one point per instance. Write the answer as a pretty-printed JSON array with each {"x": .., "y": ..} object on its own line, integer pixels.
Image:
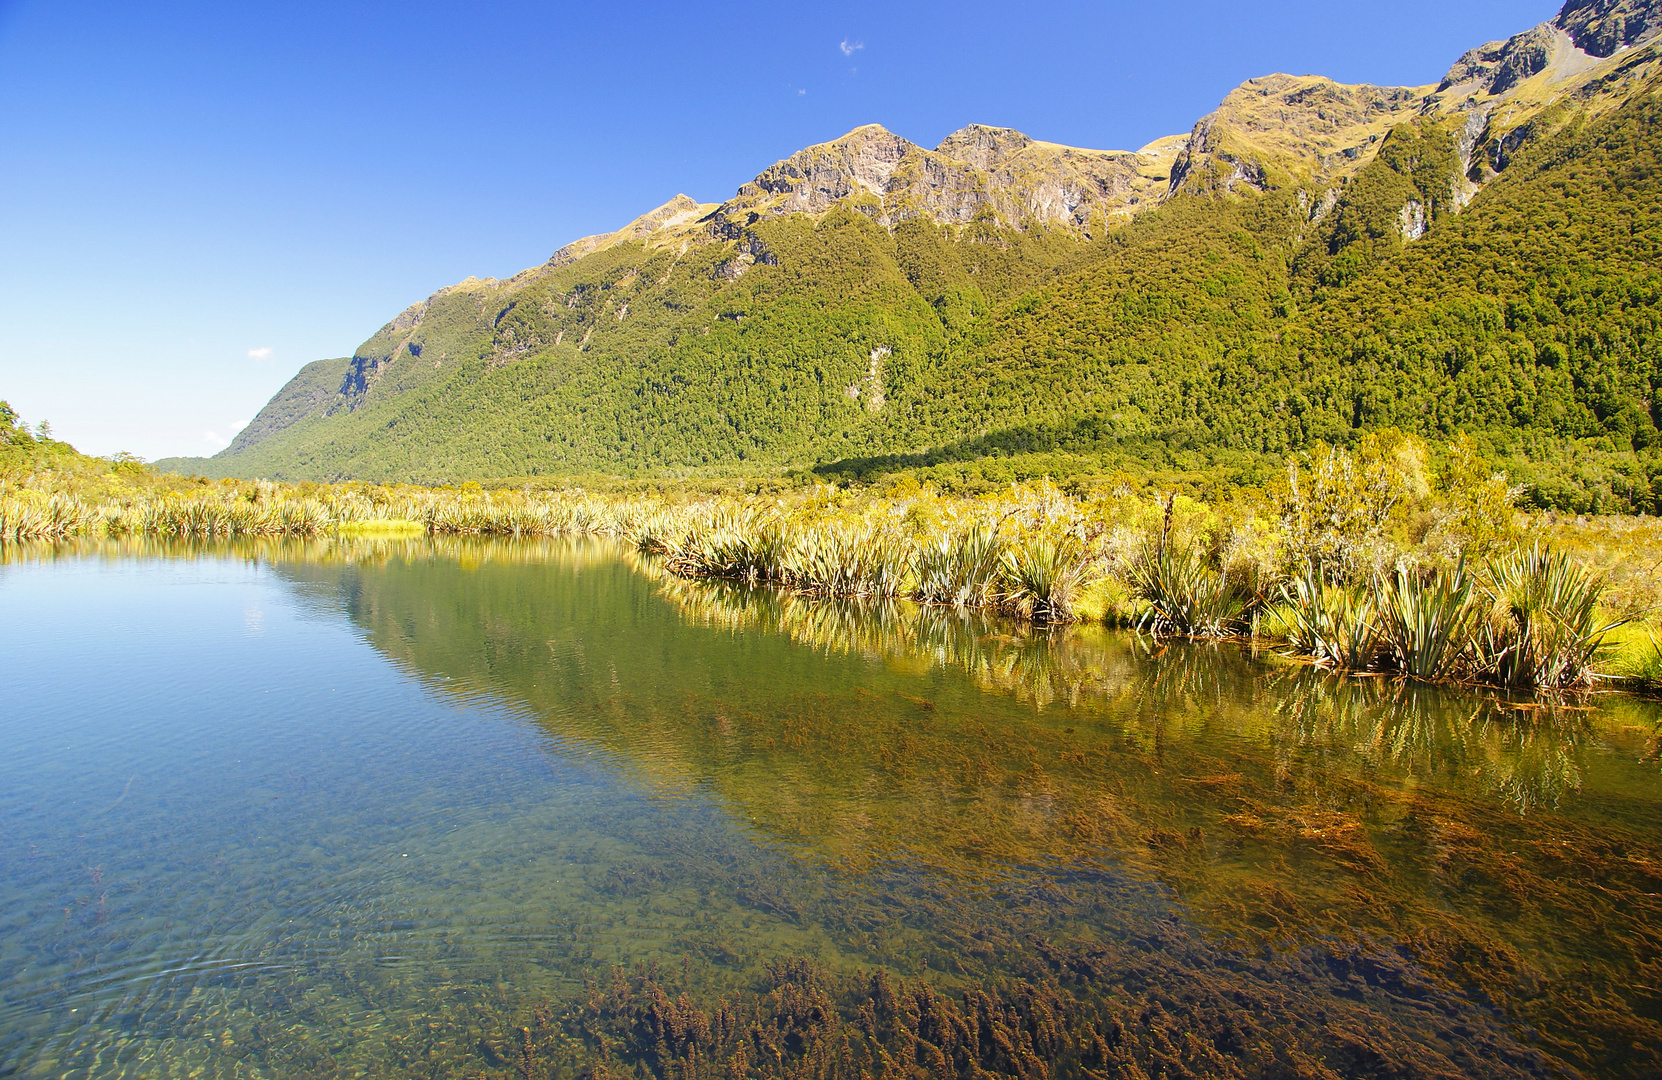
[
  {"x": 976, "y": 170},
  {"x": 1601, "y": 27}
]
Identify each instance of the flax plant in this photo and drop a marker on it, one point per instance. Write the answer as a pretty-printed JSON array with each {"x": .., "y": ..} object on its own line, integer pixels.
[
  {"x": 964, "y": 569},
  {"x": 1426, "y": 623},
  {"x": 844, "y": 559},
  {"x": 1547, "y": 631},
  {"x": 1184, "y": 595},
  {"x": 1043, "y": 576},
  {"x": 1332, "y": 624}
]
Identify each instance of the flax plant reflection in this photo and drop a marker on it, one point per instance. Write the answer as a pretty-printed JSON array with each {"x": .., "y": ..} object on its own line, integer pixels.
[{"x": 1524, "y": 753}]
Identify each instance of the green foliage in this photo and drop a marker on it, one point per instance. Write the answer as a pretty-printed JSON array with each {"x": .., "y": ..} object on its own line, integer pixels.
[
  {"x": 1549, "y": 631},
  {"x": 1335, "y": 505},
  {"x": 22, "y": 449},
  {"x": 1411, "y": 182},
  {"x": 1218, "y": 328},
  {"x": 1426, "y": 621}
]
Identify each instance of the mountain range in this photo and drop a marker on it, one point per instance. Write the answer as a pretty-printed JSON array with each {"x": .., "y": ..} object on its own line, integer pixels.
[{"x": 1310, "y": 261}]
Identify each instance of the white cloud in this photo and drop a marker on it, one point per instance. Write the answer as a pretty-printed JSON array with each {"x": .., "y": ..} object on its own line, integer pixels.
[
  {"x": 215, "y": 440},
  {"x": 849, "y": 48},
  {"x": 262, "y": 354},
  {"x": 801, "y": 92}
]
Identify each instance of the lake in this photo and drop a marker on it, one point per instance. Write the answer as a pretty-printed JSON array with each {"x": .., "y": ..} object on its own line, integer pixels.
[{"x": 448, "y": 808}]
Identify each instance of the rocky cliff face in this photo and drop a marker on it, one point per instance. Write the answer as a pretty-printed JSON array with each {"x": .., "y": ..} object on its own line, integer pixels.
[
  {"x": 976, "y": 171},
  {"x": 1304, "y": 132},
  {"x": 1602, "y": 27},
  {"x": 1307, "y": 132}
]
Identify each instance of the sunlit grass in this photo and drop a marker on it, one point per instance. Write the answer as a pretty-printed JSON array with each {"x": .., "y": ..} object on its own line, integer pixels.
[{"x": 1385, "y": 585}]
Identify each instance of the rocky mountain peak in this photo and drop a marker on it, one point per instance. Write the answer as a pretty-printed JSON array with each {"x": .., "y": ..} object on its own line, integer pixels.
[
  {"x": 1584, "y": 32},
  {"x": 679, "y": 209},
  {"x": 819, "y": 175},
  {"x": 983, "y": 146},
  {"x": 672, "y": 217}
]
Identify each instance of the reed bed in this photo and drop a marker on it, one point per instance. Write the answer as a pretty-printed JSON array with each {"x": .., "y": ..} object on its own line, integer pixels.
[{"x": 1377, "y": 578}]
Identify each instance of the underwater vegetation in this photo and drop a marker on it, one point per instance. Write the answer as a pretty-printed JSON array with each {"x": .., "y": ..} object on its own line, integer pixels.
[
  {"x": 1423, "y": 846},
  {"x": 1052, "y": 1018}
]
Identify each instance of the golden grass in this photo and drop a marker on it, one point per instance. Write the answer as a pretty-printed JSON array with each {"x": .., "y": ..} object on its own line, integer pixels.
[{"x": 1030, "y": 550}]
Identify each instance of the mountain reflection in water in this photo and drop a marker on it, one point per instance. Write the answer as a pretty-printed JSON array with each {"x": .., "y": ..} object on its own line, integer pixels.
[{"x": 1213, "y": 862}]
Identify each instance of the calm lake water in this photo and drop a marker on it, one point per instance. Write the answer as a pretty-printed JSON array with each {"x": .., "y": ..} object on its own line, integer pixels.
[{"x": 453, "y": 809}]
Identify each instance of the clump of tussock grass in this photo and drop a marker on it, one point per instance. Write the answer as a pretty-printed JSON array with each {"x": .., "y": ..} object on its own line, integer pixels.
[
  {"x": 1644, "y": 671},
  {"x": 1331, "y": 623},
  {"x": 49, "y": 518},
  {"x": 1528, "y": 620},
  {"x": 215, "y": 517},
  {"x": 964, "y": 569},
  {"x": 656, "y": 531},
  {"x": 743, "y": 545},
  {"x": 1548, "y": 630}
]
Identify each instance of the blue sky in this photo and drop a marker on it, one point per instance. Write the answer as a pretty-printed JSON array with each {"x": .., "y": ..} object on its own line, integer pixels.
[{"x": 198, "y": 199}]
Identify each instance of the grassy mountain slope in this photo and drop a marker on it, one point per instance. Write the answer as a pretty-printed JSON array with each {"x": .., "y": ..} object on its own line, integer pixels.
[{"x": 1479, "y": 256}]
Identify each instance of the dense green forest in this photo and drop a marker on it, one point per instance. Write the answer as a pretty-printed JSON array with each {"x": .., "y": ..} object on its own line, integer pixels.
[{"x": 1211, "y": 335}]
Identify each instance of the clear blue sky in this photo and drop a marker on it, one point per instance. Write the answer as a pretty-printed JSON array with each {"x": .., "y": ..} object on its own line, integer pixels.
[{"x": 195, "y": 200}]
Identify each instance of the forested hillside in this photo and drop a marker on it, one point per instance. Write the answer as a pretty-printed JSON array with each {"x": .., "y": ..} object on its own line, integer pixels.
[{"x": 1415, "y": 258}]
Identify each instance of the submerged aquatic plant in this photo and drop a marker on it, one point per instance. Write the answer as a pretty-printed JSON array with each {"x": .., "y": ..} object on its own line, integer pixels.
[{"x": 1547, "y": 631}]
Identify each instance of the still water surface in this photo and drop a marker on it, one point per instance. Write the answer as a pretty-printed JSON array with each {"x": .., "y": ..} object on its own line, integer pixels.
[{"x": 383, "y": 809}]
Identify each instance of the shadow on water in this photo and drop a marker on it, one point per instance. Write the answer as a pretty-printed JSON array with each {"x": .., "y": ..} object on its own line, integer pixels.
[{"x": 818, "y": 838}]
